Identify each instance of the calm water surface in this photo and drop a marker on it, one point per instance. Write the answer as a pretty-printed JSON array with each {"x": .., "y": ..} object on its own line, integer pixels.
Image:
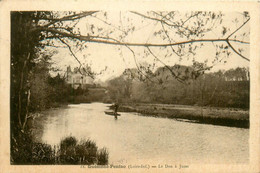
[{"x": 135, "y": 139}]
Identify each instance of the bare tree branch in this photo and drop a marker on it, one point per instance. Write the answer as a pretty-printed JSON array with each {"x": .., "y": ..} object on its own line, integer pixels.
[
  {"x": 57, "y": 33},
  {"x": 90, "y": 74},
  {"x": 136, "y": 63},
  {"x": 53, "y": 46},
  {"x": 92, "y": 39},
  {"x": 163, "y": 21},
  {"x": 196, "y": 14},
  {"x": 169, "y": 40},
  {"x": 164, "y": 16},
  {"x": 107, "y": 40},
  {"x": 137, "y": 66},
  {"x": 238, "y": 28},
  {"x": 236, "y": 51},
  {"x": 172, "y": 72},
  {"x": 109, "y": 24},
  {"x": 158, "y": 45},
  {"x": 70, "y": 17},
  {"x": 70, "y": 51}
]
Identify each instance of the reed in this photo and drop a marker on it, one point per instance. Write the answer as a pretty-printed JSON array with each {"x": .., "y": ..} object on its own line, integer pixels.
[{"x": 68, "y": 152}]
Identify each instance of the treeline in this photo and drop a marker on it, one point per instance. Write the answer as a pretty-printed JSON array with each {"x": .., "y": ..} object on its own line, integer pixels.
[
  {"x": 218, "y": 89},
  {"x": 48, "y": 91}
]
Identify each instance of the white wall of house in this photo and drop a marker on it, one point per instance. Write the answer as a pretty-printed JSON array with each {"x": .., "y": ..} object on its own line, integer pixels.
[{"x": 76, "y": 79}]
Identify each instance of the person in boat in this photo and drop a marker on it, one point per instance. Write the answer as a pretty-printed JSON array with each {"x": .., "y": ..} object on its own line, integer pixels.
[{"x": 115, "y": 109}]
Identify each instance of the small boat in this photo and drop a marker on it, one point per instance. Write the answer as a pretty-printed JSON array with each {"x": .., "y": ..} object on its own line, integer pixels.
[{"x": 111, "y": 113}]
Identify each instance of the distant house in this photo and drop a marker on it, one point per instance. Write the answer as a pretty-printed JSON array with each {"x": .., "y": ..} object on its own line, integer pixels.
[{"x": 78, "y": 78}]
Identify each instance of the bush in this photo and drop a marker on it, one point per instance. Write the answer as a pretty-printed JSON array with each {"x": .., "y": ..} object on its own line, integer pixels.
[
  {"x": 21, "y": 148},
  {"x": 69, "y": 151},
  {"x": 87, "y": 151},
  {"x": 68, "y": 142},
  {"x": 42, "y": 154},
  {"x": 102, "y": 157}
]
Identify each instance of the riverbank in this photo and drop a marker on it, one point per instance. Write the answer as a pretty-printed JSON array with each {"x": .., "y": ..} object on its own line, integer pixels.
[{"x": 208, "y": 115}]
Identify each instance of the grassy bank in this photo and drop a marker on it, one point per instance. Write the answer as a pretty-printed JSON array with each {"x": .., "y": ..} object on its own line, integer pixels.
[{"x": 208, "y": 115}]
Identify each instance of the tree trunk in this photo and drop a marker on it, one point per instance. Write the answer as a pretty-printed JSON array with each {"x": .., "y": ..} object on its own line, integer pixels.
[{"x": 20, "y": 93}]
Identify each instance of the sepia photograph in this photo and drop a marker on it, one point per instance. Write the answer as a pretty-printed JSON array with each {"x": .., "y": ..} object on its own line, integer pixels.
[{"x": 130, "y": 90}]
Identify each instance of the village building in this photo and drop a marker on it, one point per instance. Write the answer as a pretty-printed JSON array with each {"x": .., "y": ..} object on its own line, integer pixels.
[{"x": 77, "y": 78}]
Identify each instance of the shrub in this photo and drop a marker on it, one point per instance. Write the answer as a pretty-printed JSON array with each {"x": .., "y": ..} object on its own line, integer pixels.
[
  {"x": 68, "y": 142},
  {"x": 89, "y": 151},
  {"x": 21, "y": 148},
  {"x": 69, "y": 151},
  {"x": 102, "y": 157},
  {"x": 42, "y": 154}
]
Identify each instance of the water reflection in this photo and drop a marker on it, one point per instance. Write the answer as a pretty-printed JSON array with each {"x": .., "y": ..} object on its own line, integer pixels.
[{"x": 134, "y": 139}]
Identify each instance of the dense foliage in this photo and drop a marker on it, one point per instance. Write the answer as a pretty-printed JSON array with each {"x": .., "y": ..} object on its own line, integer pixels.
[{"x": 219, "y": 89}]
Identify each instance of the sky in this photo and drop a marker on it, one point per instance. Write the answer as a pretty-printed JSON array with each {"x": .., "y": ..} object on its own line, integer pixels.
[{"x": 115, "y": 59}]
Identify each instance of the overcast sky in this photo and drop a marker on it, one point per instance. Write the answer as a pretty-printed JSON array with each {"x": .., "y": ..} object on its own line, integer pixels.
[{"x": 117, "y": 58}]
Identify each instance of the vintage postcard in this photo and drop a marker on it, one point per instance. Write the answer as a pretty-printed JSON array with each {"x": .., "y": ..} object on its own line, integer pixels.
[{"x": 130, "y": 86}]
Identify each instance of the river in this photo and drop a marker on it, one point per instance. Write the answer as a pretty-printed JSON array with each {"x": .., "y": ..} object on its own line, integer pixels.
[{"x": 140, "y": 139}]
